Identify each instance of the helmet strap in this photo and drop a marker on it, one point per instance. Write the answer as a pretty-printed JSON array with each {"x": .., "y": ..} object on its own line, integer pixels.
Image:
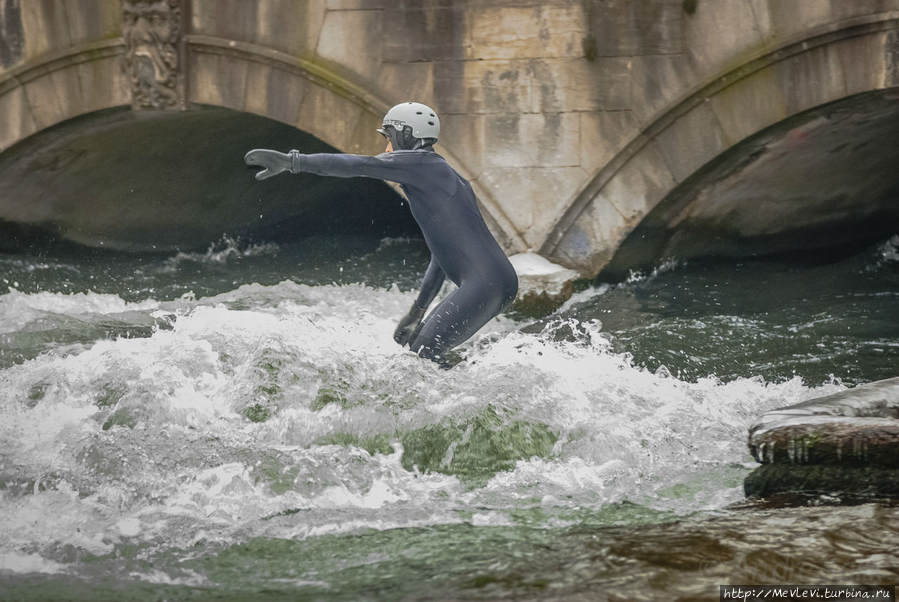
[
  {"x": 423, "y": 144},
  {"x": 405, "y": 140}
]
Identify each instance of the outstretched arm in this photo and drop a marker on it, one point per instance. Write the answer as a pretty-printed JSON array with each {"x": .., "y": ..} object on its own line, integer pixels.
[{"x": 382, "y": 167}]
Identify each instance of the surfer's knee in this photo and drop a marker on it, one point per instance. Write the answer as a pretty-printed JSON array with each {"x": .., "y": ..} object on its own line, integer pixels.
[
  {"x": 432, "y": 350},
  {"x": 427, "y": 348}
]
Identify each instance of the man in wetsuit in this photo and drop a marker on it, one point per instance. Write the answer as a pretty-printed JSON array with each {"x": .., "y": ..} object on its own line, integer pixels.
[{"x": 444, "y": 205}]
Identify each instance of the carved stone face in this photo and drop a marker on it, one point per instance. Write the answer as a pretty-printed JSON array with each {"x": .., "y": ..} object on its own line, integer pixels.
[
  {"x": 151, "y": 29},
  {"x": 148, "y": 22}
]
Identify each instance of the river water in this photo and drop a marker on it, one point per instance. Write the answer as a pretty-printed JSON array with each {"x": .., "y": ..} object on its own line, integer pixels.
[{"x": 238, "y": 424}]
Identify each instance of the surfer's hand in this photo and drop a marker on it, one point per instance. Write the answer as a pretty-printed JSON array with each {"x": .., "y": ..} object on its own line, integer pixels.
[
  {"x": 408, "y": 325},
  {"x": 273, "y": 162}
]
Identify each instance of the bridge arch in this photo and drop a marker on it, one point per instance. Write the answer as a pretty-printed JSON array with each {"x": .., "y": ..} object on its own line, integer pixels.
[
  {"x": 316, "y": 99},
  {"x": 312, "y": 97},
  {"x": 740, "y": 114},
  {"x": 555, "y": 111}
]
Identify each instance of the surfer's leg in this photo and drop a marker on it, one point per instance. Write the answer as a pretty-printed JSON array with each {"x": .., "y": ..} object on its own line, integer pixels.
[{"x": 455, "y": 320}]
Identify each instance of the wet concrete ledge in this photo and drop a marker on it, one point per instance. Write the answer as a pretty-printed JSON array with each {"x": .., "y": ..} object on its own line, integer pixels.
[{"x": 844, "y": 445}]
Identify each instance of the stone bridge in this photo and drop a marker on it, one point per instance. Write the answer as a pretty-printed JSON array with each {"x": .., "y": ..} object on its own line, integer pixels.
[{"x": 603, "y": 134}]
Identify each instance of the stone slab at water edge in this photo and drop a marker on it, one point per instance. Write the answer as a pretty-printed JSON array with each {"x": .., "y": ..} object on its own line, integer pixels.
[
  {"x": 846, "y": 444},
  {"x": 543, "y": 286}
]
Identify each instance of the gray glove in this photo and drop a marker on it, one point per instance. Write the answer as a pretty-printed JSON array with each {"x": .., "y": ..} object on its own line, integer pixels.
[
  {"x": 273, "y": 162},
  {"x": 409, "y": 325}
]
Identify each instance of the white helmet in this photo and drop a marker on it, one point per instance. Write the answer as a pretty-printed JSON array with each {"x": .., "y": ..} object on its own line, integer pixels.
[{"x": 421, "y": 118}]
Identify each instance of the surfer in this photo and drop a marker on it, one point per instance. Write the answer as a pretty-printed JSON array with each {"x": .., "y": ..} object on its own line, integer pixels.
[{"x": 444, "y": 205}]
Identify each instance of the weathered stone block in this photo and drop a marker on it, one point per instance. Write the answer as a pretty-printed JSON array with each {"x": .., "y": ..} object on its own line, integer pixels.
[
  {"x": 290, "y": 26},
  {"x": 344, "y": 33},
  {"x": 590, "y": 242},
  {"x": 639, "y": 185},
  {"x": 229, "y": 19},
  {"x": 103, "y": 84},
  {"x": 423, "y": 35},
  {"x": 691, "y": 141},
  {"x": 422, "y": 5},
  {"x": 791, "y": 19},
  {"x": 862, "y": 67},
  {"x": 256, "y": 96},
  {"x": 218, "y": 79},
  {"x": 54, "y": 97},
  {"x": 603, "y": 135},
  {"x": 331, "y": 118},
  {"x": 721, "y": 35},
  {"x": 203, "y": 79},
  {"x": 451, "y": 86},
  {"x": 365, "y": 139},
  {"x": 750, "y": 105},
  {"x": 862, "y": 8},
  {"x": 465, "y": 135},
  {"x": 536, "y": 139},
  {"x": 533, "y": 85},
  {"x": 812, "y": 79},
  {"x": 486, "y": 86},
  {"x": 624, "y": 28},
  {"x": 657, "y": 82},
  {"x": 46, "y": 27},
  {"x": 403, "y": 82},
  {"x": 15, "y": 118},
  {"x": 94, "y": 20},
  {"x": 516, "y": 32},
  {"x": 531, "y": 197},
  {"x": 600, "y": 85},
  {"x": 358, "y": 4},
  {"x": 284, "y": 96}
]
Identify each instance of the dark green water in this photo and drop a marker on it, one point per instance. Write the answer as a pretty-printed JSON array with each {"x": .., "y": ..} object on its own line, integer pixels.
[
  {"x": 769, "y": 318},
  {"x": 238, "y": 424}
]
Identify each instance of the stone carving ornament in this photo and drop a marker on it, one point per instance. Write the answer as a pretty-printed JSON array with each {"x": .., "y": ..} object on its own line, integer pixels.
[
  {"x": 891, "y": 77},
  {"x": 152, "y": 31},
  {"x": 12, "y": 35}
]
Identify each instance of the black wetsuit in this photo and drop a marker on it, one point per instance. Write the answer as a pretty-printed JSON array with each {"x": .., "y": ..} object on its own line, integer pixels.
[{"x": 462, "y": 248}]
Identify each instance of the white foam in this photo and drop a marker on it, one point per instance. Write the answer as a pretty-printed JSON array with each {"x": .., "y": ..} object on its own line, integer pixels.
[
  {"x": 221, "y": 252},
  {"x": 18, "y": 309},
  {"x": 889, "y": 250},
  {"x": 28, "y": 563},
  {"x": 181, "y": 461}
]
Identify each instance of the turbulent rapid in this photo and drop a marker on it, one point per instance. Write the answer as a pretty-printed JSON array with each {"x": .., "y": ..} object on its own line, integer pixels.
[{"x": 240, "y": 422}]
